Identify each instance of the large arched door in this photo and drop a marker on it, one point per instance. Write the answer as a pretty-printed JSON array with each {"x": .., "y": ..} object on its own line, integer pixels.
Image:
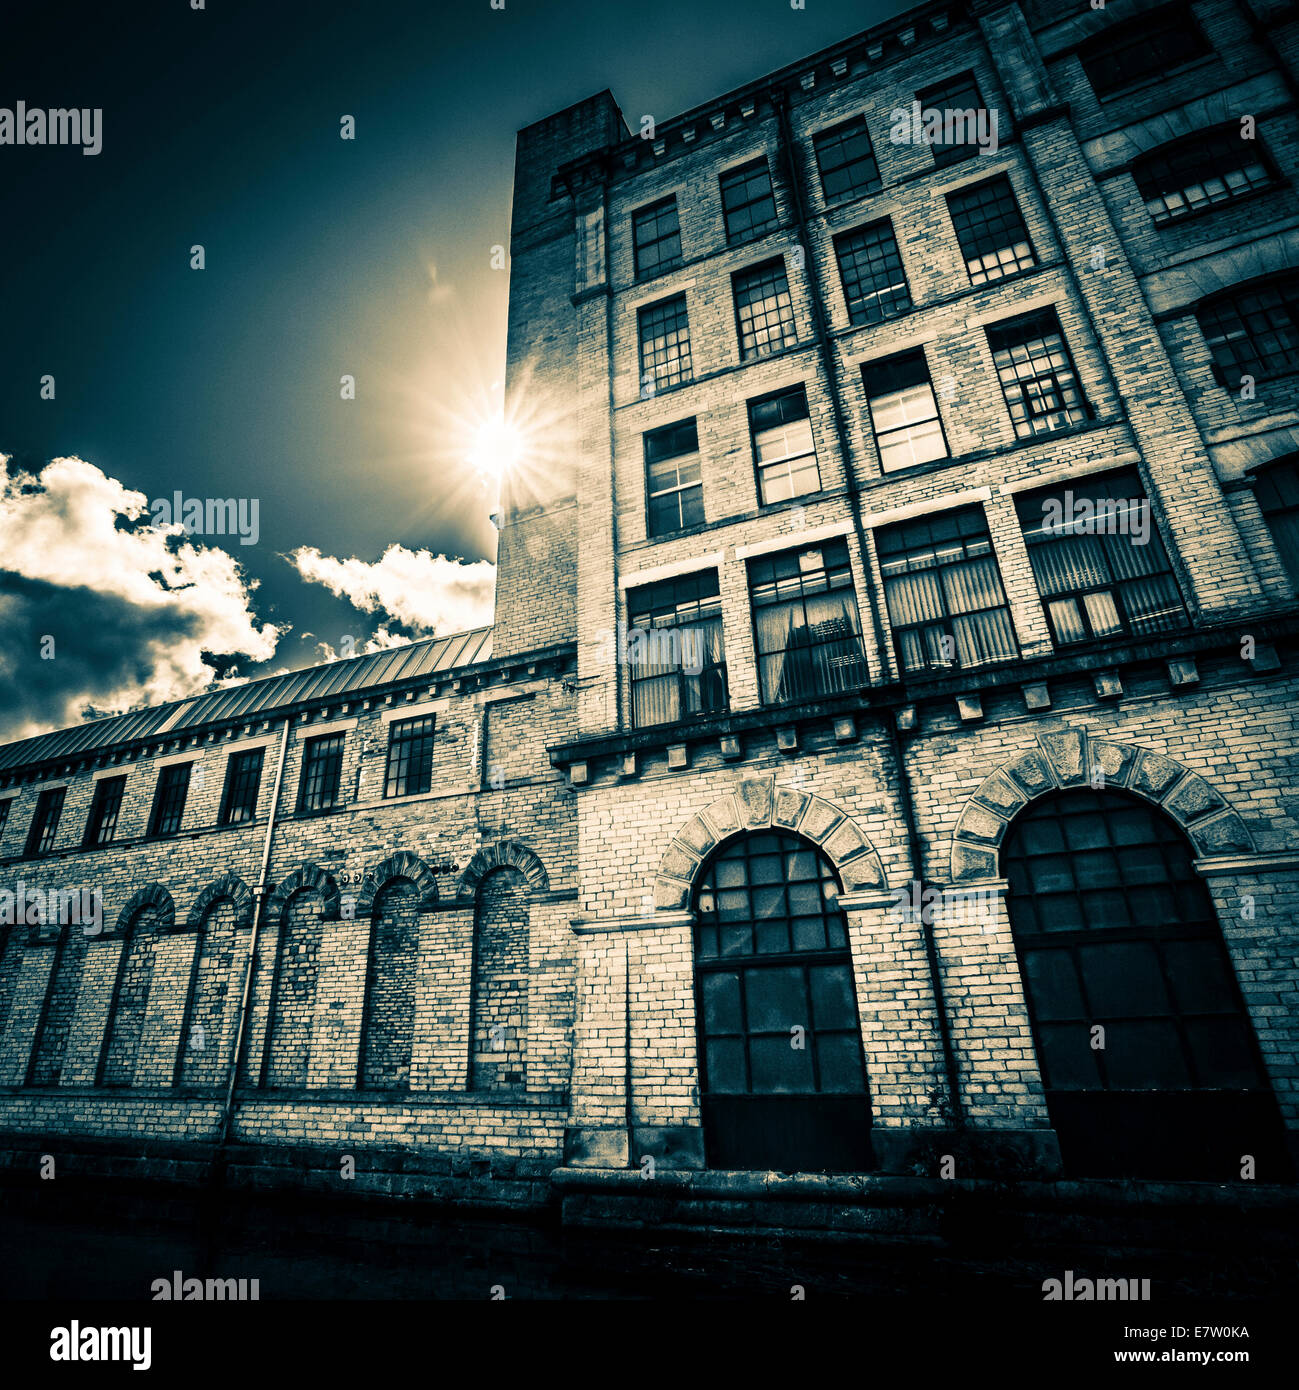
[
  {"x": 1147, "y": 1054},
  {"x": 780, "y": 1057}
]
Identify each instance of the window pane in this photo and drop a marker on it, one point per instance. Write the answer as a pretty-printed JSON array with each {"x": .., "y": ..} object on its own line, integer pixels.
[
  {"x": 1037, "y": 375},
  {"x": 1097, "y": 545},
  {"x": 1145, "y": 1056},
  {"x": 656, "y": 238},
  {"x": 846, "y": 161},
  {"x": 874, "y": 282},
  {"x": 748, "y": 206},
  {"x": 775, "y": 999},
  {"x": 664, "y": 345},
  {"x": 724, "y": 1059},
  {"x": 1065, "y": 1052},
  {"x": 764, "y": 311},
  {"x": 1253, "y": 330},
  {"x": 721, "y": 996},
  {"x": 1141, "y": 49},
  {"x": 779, "y": 1067},
  {"x": 838, "y": 1057},
  {"x": 990, "y": 231},
  {"x": 959, "y": 106},
  {"x": 834, "y": 1004},
  {"x": 1213, "y": 167}
]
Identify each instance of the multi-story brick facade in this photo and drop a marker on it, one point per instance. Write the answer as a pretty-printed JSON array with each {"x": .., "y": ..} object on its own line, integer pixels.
[{"x": 801, "y": 391}]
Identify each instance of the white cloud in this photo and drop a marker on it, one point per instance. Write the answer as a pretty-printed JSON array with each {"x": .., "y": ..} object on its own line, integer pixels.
[
  {"x": 139, "y": 614},
  {"x": 430, "y": 593}
]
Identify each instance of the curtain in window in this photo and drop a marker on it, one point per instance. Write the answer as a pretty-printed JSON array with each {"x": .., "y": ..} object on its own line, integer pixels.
[
  {"x": 1153, "y": 604},
  {"x": 976, "y": 601},
  {"x": 668, "y": 667},
  {"x": 1064, "y": 566},
  {"x": 810, "y": 649},
  {"x": 971, "y": 593},
  {"x": 1137, "y": 574}
]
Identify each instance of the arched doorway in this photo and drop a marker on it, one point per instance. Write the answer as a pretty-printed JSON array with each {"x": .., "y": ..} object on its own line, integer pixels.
[
  {"x": 1147, "y": 1054},
  {"x": 783, "y": 1082}
]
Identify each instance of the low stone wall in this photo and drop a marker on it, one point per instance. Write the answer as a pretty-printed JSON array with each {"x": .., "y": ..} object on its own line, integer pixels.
[{"x": 1139, "y": 1215}]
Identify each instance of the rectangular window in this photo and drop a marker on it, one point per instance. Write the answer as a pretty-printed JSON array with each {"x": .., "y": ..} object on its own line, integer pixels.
[
  {"x": 243, "y": 779},
  {"x": 764, "y": 311},
  {"x": 990, "y": 231},
  {"x": 169, "y": 799},
  {"x": 45, "y": 823},
  {"x": 870, "y": 265},
  {"x": 806, "y": 625},
  {"x": 846, "y": 161},
  {"x": 1212, "y": 167},
  {"x": 783, "y": 448},
  {"x": 1253, "y": 331},
  {"x": 5, "y": 807},
  {"x": 943, "y": 591},
  {"x": 674, "y": 649},
  {"x": 904, "y": 413},
  {"x": 656, "y": 238},
  {"x": 322, "y": 768},
  {"x": 1148, "y": 46},
  {"x": 664, "y": 344},
  {"x": 1037, "y": 374},
  {"x": 101, "y": 827},
  {"x": 958, "y": 104},
  {"x": 1099, "y": 563},
  {"x": 748, "y": 205},
  {"x": 410, "y": 757},
  {"x": 673, "y": 479}
]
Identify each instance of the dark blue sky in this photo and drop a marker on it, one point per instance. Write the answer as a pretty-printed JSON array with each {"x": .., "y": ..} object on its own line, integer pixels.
[{"x": 221, "y": 127}]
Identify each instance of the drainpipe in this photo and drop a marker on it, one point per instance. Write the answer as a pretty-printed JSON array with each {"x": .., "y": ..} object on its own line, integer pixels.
[
  {"x": 793, "y": 179},
  {"x": 259, "y": 906},
  {"x": 915, "y": 854},
  {"x": 906, "y": 802}
]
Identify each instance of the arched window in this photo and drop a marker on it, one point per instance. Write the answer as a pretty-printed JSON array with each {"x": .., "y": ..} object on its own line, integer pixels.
[
  {"x": 499, "y": 1027},
  {"x": 1201, "y": 171},
  {"x": 293, "y": 999},
  {"x": 1149, "y": 45},
  {"x": 1277, "y": 492},
  {"x": 214, "y": 1003},
  {"x": 780, "y": 1057},
  {"x": 1253, "y": 329},
  {"x": 389, "y": 1023},
  {"x": 130, "y": 1000},
  {"x": 1146, "y": 1051},
  {"x": 56, "y": 1018},
  {"x": 11, "y": 963}
]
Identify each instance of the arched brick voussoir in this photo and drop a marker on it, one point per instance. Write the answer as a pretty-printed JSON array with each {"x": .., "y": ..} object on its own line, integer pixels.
[
  {"x": 152, "y": 897},
  {"x": 1071, "y": 758},
  {"x": 759, "y": 803},
  {"x": 229, "y": 887},
  {"x": 504, "y": 854},
  {"x": 309, "y": 878},
  {"x": 402, "y": 865}
]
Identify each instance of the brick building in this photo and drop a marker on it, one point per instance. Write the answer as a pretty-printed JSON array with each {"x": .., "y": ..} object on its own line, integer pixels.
[{"x": 884, "y": 756}]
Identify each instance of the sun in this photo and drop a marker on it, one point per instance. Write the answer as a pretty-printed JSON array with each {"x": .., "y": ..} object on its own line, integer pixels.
[{"x": 497, "y": 448}]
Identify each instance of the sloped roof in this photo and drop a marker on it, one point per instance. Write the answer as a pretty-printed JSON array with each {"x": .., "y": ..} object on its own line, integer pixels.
[{"x": 254, "y": 699}]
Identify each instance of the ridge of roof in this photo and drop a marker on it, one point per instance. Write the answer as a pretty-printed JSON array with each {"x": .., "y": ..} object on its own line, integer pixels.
[{"x": 254, "y": 698}]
